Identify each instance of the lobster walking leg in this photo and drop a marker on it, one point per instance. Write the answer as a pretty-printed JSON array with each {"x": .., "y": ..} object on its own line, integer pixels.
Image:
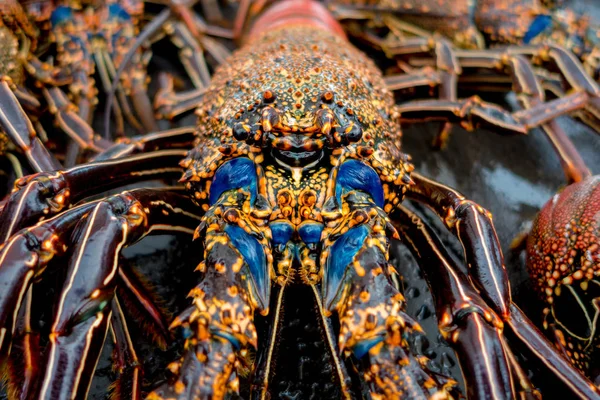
[
  {"x": 465, "y": 320},
  {"x": 189, "y": 35},
  {"x": 128, "y": 366},
  {"x": 81, "y": 320},
  {"x": 71, "y": 122},
  {"x": 46, "y": 194},
  {"x": 473, "y": 227},
  {"x": 177, "y": 138},
  {"x": 15, "y": 123},
  {"x": 450, "y": 63},
  {"x": 169, "y": 104},
  {"x": 528, "y": 88},
  {"x": 27, "y": 255},
  {"x": 373, "y": 326},
  {"x": 190, "y": 53}
]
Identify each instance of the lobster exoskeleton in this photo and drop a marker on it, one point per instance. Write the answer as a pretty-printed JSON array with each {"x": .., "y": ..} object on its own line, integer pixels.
[{"x": 296, "y": 177}]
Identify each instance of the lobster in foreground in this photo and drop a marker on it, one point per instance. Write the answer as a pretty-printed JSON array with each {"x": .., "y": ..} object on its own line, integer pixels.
[{"x": 296, "y": 176}]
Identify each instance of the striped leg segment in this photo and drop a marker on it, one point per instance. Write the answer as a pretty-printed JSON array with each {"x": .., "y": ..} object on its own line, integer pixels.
[
  {"x": 17, "y": 126},
  {"x": 178, "y": 138},
  {"x": 237, "y": 270},
  {"x": 46, "y": 194},
  {"x": 473, "y": 226},
  {"x": 373, "y": 325},
  {"x": 169, "y": 104},
  {"x": 84, "y": 306},
  {"x": 67, "y": 118},
  {"x": 466, "y": 322},
  {"x": 25, "y": 256},
  {"x": 126, "y": 362},
  {"x": 471, "y": 112}
]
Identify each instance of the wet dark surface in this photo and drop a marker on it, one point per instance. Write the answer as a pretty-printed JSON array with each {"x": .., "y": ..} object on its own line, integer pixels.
[{"x": 510, "y": 176}]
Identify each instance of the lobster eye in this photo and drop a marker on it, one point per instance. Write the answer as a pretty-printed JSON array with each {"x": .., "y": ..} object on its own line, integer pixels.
[{"x": 575, "y": 310}]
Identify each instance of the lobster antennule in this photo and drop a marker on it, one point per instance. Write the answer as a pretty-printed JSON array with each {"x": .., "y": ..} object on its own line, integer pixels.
[{"x": 296, "y": 12}]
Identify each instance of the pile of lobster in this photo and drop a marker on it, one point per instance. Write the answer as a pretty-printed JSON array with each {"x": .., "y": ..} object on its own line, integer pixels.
[{"x": 291, "y": 185}]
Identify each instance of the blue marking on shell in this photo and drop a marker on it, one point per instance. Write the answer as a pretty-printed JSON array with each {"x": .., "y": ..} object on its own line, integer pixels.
[
  {"x": 254, "y": 256},
  {"x": 355, "y": 175},
  {"x": 61, "y": 15},
  {"x": 187, "y": 333},
  {"x": 116, "y": 11},
  {"x": 281, "y": 231},
  {"x": 361, "y": 348},
  {"x": 239, "y": 173},
  {"x": 340, "y": 256},
  {"x": 228, "y": 336},
  {"x": 539, "y": 24},
  {"x": 310, "y": 232}
]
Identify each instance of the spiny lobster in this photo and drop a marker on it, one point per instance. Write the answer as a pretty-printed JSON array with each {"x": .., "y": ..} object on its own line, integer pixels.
[{"x": 296, "y": 175}]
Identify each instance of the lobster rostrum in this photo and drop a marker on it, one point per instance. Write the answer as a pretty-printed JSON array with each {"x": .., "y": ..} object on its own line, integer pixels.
[{"x": 298, "y": 176}]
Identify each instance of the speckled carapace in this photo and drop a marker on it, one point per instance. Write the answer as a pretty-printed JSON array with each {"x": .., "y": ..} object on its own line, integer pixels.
[
  {"x": 299, "y": 102},
  {"x": 564, "y": 262}
]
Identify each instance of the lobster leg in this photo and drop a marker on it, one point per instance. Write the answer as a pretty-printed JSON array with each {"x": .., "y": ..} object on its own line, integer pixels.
[
  {"x": 526, "y": 85},
  {"x": 134, "y": 79},
  {"x": 573, "y": 72},
  {"x": 23, "y": 363},
  {"x": 514, "y": 61},
  {"x": 373, "y": 326},
  {"x": 177, "y": 138},
  {"x": 191, "y": 55},
  {"x": 26, "y": 255},
  {"x": 473, "y": 112},
  {"x": 169, "y": 104},
  {"x": 192, "y": 46},
  {"x": 529, "y": 90},
  {"x": 473, "y": 227},
  {"x": 465, "y": 321},
  {"x": 17, "y": 126},
  {"x": 71, "y": 122},
  {"x": 196, "y": 26},
  {"x": 137, "y": 296},
  {"x": 121, "y": 104},
  {"x": 81, "y": 320},
  {"x": 128, "y": 366},
  {"x": 447, "y": 70},
  {"x": 237, "y": 271},
  {"x": 46, "y": 194}
]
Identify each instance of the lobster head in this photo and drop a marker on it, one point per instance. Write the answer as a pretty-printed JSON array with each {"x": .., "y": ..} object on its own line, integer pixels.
[{"x": 297, "y": 109}]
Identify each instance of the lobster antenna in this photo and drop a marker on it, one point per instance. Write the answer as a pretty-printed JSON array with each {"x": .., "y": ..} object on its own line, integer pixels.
[{"x": 144, "y": 35}]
